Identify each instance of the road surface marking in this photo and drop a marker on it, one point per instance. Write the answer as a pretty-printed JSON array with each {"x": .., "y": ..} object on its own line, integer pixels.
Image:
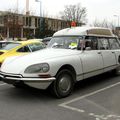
[
  {"x": 87, "y": 95},
  {"x": 94, "y": 115},
  {"x": 72, "y": 108}
]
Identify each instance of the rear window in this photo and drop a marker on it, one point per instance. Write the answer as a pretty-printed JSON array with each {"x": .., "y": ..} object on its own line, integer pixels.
[{"x": 10, "y": 46}]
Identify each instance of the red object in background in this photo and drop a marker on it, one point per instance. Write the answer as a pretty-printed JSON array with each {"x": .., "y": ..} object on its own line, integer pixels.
[{"x": 73, "y": 24}]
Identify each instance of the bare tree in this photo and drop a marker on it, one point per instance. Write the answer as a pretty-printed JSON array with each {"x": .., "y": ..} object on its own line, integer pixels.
[
  {"x": 74, "y": 13},
  {"x": 106, "y": 24},
  {"x": 103, "y": 23}
]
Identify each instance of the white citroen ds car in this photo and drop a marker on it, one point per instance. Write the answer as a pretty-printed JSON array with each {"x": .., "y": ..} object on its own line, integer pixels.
[{"x": 73, "y": 54}]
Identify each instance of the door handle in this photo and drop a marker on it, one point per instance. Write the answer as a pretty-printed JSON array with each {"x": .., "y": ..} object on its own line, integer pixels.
[{"x": 113, "y": 52}]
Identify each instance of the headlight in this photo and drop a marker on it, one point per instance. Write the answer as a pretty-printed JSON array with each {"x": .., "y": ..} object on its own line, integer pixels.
[{"x": 37, "y": 68}]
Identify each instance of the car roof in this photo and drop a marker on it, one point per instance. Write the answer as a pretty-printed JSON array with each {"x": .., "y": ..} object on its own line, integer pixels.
[
  {"x": 28, "y": 42},
  {"x": 47, "y": 39},
  {"x": 92, "y": 31},
  {"x": 6, "y": 41}
]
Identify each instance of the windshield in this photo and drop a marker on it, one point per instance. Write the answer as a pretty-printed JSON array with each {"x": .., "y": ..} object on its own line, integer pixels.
[
  {"x": 10, "y": 46},
  {"x": 64, "y": 42}
]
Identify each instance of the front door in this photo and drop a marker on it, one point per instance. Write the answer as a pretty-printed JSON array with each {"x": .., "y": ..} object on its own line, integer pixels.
[
  {"x": 91, "y": 58},
  {"x": 92, "y": 63}
]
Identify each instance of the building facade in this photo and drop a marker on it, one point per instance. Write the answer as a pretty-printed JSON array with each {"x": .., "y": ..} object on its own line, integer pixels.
[{"x": 14, "y": 25}]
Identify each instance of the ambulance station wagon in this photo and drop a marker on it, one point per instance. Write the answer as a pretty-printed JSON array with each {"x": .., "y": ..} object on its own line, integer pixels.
[{"x": 73, "y": 54}]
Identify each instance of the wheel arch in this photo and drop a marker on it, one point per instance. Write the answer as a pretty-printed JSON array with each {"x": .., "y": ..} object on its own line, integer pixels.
[{"x": 70, "y": 68}]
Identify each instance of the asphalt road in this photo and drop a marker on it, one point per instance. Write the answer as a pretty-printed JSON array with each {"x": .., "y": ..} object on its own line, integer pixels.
[{"x": 96, "y": 98}]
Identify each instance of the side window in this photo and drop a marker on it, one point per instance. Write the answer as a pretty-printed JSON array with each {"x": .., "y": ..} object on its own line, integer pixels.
[
  {"x": 39, "y": 46},
  {"x": 3, "y": 44},
  {"x": 91, "y": 42},
  {"x": 114, "y": 43},
  {"x": 23, "y": 49},
  {"x": 32, "y": 47},
  {"x": 36, "y": 46},
  {"x": 103, "y": 44}
]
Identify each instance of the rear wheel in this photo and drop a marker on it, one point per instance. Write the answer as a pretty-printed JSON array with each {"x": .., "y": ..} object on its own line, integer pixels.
[
  {"x": 64, "y": 83},
  {"x": 117, "y": 71}
]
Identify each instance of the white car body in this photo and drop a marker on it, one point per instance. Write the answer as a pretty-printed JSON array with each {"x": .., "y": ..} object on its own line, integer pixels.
[{"x": 82, "y": 63}]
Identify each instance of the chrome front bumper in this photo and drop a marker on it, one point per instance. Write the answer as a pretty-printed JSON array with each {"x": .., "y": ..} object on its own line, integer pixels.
[{"x": 41, "y": 83}]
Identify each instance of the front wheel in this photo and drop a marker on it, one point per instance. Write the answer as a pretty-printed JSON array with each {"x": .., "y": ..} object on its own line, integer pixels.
[
  {"x": 19, "y": 85},
  {"x": 64, "y": 83}
]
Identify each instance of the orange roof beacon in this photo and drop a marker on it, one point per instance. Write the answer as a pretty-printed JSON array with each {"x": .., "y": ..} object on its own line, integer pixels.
[{"x": 73, "y": 24}]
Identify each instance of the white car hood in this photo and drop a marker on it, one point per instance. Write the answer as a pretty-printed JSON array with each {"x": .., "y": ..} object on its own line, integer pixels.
[{"x": 17, "y": 64}]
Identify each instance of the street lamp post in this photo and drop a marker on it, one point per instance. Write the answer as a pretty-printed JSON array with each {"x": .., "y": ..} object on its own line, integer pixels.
[
  {"x": 117, "y": 18},
  {"x": 41, "y": 17},
  {"x": 40, "y": 7},
  {"x": 17, "y": 6}
]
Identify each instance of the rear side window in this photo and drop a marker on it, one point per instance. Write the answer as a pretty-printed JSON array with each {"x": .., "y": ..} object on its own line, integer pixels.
[
  {"x": 114, "y": 43},
  {"x": 36, "y": 46},
  {"x": 103, "y": 44},
  {"x": 10, "y": 46},
  {"x": 91, "y": 42},
  {"x": 3, "y": 44},
  {"x": 23, "y": 49}
]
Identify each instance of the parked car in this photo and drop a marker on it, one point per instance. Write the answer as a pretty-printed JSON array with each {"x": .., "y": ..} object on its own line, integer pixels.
[
  {"x": 73, "y": 54},
  {"x": 46, "y": 40},
  {"x": 19, "y": 48}
]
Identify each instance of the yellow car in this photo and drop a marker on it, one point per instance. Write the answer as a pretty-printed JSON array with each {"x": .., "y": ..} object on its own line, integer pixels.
[{"x": 20, "y": 48}]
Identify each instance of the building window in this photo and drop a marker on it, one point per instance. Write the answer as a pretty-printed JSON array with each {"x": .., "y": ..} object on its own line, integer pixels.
[
  {"x": 26, "y": 21},
  {"x": 29, "y": 21},
  {"x": 36, "y": 22}
]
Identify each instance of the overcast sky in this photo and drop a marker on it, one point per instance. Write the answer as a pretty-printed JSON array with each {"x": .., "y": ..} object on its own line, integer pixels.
[{"x": 96, "y": 9}]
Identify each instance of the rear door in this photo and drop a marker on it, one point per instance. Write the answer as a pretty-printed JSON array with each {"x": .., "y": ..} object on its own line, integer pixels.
[
  {"x": 108, "y": 55},
  {"x": 115, "y": 47}
]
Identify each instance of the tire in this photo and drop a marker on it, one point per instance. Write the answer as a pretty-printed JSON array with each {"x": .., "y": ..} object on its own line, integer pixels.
[
  {"x": 19, "y": 85},
  {"x": 117, "y": 71},
  {"x": 64, "y": 84}
]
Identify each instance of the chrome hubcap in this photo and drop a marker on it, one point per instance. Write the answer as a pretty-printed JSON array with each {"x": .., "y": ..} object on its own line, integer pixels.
[{"x": 65, "y": 83}]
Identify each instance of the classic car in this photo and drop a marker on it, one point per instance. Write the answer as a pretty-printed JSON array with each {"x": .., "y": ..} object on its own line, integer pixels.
[
  {"x": 15, "y": 48},
  {"x": 73, "y": 54}
]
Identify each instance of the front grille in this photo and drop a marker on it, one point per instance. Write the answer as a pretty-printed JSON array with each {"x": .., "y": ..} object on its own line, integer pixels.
[
  {"x": 10, "y": 75},
  {"x": 13, "y": 76},
  {"x": 10, "y": 78}
]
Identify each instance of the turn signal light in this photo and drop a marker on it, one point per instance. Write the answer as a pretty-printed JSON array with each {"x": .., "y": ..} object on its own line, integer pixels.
[{"x": 45, "y": 76}]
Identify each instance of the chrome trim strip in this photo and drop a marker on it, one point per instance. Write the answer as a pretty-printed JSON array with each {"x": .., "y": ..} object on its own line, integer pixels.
[
  {"x": 98, "y": 70},
  {"x": 29, "y": 79},
  {"x": 10, "y": 74},
  {"x": 1, "y": 76},
  {"x": 32, "y": 79}
]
